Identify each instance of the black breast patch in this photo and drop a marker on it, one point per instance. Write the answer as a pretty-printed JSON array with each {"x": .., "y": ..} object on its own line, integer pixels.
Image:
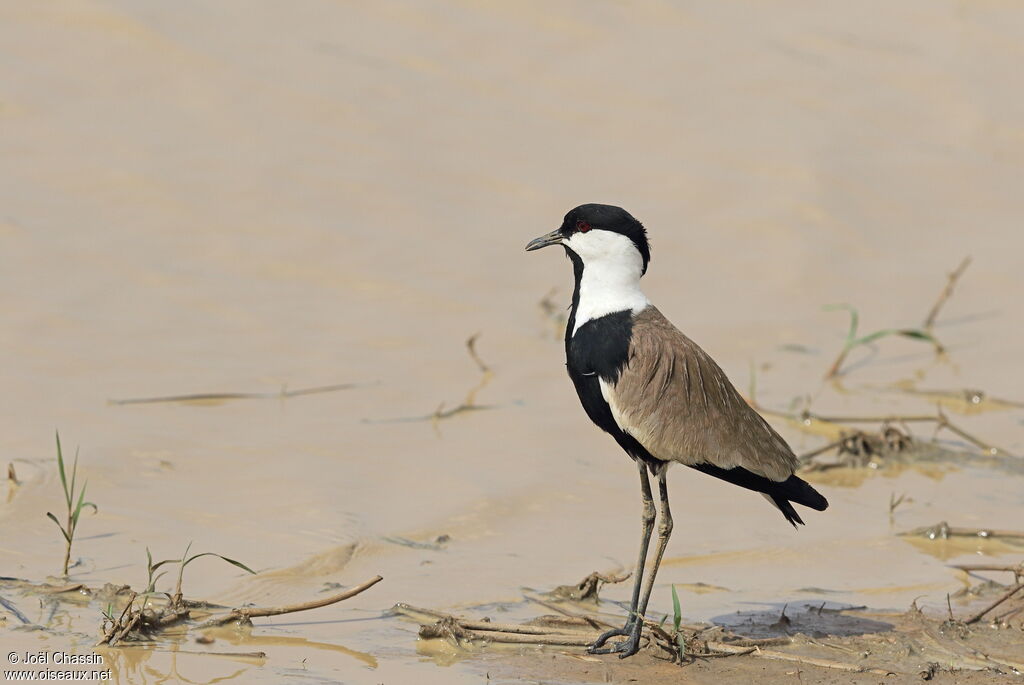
[{"x": 601, "y": 346}]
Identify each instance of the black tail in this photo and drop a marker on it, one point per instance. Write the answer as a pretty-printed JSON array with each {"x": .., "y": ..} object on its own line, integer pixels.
[{"x": 793, "y": 489}]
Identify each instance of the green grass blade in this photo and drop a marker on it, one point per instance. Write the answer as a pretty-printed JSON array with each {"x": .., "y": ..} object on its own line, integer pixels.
[
  {"x": 233, "y": 562},
  {"x": 158, "y": 564},
  {"x": 854, "y": 320},
  {"x": 677, "y": 613},
  {"x": 60, "y": 468},
  {"x": 82, "y": 503},
  {"x": 913, "y": 333},
  {"x": 74, "y": 479},
  {"x": 917, "y": 334},
  {"x": 59, "y": 525},
  {"x": 871, "y": 337}
]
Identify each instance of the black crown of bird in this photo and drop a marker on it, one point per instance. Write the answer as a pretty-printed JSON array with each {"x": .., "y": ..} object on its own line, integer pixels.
[{"x": 656, "y": 392}]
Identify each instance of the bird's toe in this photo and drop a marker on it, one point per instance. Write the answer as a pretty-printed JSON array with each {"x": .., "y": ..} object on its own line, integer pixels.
[
  {"x": 628, "y": 647},
  {"x": 624, "y": 648},
  {"x": 598, "y": 646}
]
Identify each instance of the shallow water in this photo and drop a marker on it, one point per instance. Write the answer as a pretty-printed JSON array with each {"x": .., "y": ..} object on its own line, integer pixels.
[{"x": 234, "y": 198}]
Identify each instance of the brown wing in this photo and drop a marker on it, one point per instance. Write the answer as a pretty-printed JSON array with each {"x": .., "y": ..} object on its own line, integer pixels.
[{"x": 676, "y": 401}]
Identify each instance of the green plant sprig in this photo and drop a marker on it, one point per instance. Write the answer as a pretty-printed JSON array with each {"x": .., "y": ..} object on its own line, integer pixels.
[
  {"x": 677, "y": 621},
  {"x": 854, "y": 341},
  {"x": 186, "y": 560},
  {"x": 75, "y": 502}
]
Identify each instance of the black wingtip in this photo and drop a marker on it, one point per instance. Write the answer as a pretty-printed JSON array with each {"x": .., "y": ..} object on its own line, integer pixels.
[
  {"x": 801, "y": 492},
  {"x": 788, "y": 511},
  {"x": 782, "y": 494}
]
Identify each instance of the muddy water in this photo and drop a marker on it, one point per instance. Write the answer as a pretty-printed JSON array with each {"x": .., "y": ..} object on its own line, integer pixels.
[{"x": 238, "y": 197}]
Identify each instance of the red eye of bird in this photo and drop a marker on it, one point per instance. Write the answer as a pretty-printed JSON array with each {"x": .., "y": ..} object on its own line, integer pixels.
[{"x": 582, "y": 226}]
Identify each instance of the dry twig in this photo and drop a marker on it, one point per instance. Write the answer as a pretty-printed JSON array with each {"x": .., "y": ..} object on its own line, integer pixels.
[
  {"x": 7, "y": 604},
  {"x": 284, "y": 393},
  {"x": 1017, "y": 571},
  {"x": 243, "y": 615},
  {"x": 1005, "y": 596},
  {"x": 519, "y": 628},
  {"x": 811, "y": 661},
  {"x": 939, "y": 419},
  {"x": 592, "y": 620},
  {"x": 946, "y": 293},
  {"x": 588, "y": 587},
  {"x": 460, "y": 631},
  {"x": 468, "y": 405}
]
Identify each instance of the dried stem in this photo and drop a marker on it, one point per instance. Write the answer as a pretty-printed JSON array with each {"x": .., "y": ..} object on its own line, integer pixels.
[
  {"x": 451, "y": 627},
  {"x": 1019, "y": 568},
  {"x": 129, "y": 620},
  {"x": 6, "y": 604},
  {"x": 1009, "y": 593},
  {"x": 469, "y": 404},
  {"x": 1017, "y": 571},
  {"x": 592, "y": 620},
  {"x": 939, "y": 418},
  {"x": 487, "y": 626},
  {"x": 811, "y": 661},
  {"x": 459, "y": 630},
  {"x": 946, "y": 293},
  {"x": 471, "y": 347},
  {"x": 807, "y": 456},
  {"x": 244, "y": 614},
  {"x": 284, "y": 393}
]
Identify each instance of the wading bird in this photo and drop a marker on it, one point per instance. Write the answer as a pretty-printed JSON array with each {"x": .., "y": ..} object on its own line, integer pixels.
[{"x": 656, "y": 391}]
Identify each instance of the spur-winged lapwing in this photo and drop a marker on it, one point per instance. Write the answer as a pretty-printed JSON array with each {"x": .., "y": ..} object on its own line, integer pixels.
[{"x": 656, "y": 391}]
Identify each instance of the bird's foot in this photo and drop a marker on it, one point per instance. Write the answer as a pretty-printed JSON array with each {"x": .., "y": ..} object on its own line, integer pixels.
[
  {"x": 604, "y": 637},
  {"x": 624, "y": 648}
]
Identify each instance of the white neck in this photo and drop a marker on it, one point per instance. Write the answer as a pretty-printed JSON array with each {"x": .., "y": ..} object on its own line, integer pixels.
[{"x": 609, "y": 286}]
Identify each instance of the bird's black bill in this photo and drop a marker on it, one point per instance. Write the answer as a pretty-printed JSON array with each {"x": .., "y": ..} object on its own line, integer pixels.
[{"x": 553, "y": 238}]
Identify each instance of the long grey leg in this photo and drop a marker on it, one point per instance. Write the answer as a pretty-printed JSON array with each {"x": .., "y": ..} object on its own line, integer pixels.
[
  {"x": 635, "y": 621},
  {"x": 664, "y": 532}
]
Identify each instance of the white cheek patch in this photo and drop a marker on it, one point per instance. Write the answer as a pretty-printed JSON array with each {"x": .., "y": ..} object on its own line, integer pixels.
[
  {"x": 600, "y": 244},
  {"x": 612, "y": 267}
]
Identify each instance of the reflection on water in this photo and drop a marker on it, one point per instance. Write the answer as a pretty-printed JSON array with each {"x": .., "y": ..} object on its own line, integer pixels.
[
  {"x": 815, "y": 619},
  {"x": 154, "y": 666},
  {"x": 945, "y": 549},
  {"x": 263, "y": 640}
]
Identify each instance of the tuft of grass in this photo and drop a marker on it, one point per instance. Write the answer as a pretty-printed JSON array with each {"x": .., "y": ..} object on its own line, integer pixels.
[
  {"x": 75, "y": 501},
  {"x": 853, "y": 340},
  {"x": 151, "y": 569},
  {"x": 677, "y": 621},
  {"x": 186, "y": 560}
]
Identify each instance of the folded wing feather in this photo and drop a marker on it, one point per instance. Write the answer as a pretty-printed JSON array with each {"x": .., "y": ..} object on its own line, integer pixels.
[{"x": 679, "y": 404}]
